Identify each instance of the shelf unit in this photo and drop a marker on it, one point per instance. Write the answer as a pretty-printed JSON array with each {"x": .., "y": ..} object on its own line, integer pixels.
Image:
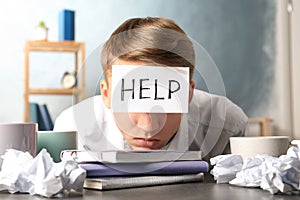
[{"x": 78, "y": 48}]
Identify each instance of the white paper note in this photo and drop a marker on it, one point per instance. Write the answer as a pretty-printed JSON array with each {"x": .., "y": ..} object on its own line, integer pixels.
[{"x": 151, "y": 89}]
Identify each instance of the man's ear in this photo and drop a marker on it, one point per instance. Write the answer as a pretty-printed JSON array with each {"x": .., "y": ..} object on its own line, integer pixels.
[
  {"x": 105, "y": 93},
  {"x": 191, "y": 91}
]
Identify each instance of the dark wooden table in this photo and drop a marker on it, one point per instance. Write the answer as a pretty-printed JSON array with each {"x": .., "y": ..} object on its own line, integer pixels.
[{"x": 206, "y": 190}]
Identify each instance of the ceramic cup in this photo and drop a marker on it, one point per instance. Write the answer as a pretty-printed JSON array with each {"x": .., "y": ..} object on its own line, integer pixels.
[
  {"x": 19, "y": 136},
  {"x": 252, "y": 146},
  {"x": 56, "y": 141}
]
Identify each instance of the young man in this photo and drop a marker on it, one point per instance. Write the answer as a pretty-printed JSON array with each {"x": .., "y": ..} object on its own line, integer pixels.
[{"x": 207, "y": 126}]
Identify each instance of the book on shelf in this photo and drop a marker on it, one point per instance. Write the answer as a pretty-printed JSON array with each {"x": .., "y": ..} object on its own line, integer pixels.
[
  {"x": 40, "y": 114},
  {"x": 33, "y": 112},
  {"x": 98, "y": 169},
  {"x": 45, "y": 121},
  {"x": 109, "y": 183},
  {"x": 66, "y": 25},
  {"x": 134, "y": 156}
]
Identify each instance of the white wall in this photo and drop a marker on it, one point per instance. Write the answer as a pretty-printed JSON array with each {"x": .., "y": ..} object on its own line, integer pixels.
[
  {"x": 280, "y": 111},
  {"x": 295, "y": 66}
]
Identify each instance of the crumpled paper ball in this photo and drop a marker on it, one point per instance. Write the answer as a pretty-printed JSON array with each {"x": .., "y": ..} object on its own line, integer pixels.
[
  {"x": 276, "y": 175},
  {"x": 40, "y": 175},
  {"x": 226, "y": 167}
]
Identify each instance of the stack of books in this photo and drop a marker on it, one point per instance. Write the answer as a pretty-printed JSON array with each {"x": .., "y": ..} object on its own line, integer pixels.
[{"x": 108, "y": 170}]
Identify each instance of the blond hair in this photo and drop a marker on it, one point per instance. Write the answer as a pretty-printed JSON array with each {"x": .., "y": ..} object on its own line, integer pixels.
[{"x": 157, "y": 41}]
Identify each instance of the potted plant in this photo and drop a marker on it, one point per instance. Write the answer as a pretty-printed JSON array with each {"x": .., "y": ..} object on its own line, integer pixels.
[{"x": 41, "y": 31}]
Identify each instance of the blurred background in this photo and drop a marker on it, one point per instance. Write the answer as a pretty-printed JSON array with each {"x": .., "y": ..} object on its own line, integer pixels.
[{"x": 253, "y": 44}]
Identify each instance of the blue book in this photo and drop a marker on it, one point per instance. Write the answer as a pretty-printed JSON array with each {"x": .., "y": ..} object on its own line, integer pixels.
[
  {"x": 66, "y": 25},
  {"x": 45, "y": 121},
  {"x": 99, "y": 169},
  {"x": 33, "y": 112}
]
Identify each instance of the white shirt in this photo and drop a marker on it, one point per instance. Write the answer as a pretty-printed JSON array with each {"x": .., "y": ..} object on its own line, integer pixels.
[{"x": 211, "y": 121}]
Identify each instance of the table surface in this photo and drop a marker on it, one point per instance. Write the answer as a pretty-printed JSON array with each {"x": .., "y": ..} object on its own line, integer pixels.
[{"x": 186, "y": 191}]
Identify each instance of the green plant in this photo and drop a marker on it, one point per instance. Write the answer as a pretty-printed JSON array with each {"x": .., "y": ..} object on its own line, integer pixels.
[{"x": 42, "y": 24}]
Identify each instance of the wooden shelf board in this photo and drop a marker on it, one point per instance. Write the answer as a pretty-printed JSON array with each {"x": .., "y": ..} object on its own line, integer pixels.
[
  {"x": 53, "y": 91},
  {"x": 54, "y": 46}
]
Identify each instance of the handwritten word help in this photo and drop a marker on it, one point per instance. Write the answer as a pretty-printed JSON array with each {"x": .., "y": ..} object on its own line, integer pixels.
[
  {"x": 152, "y": 89},
  {"x": 142, "y": 87}
]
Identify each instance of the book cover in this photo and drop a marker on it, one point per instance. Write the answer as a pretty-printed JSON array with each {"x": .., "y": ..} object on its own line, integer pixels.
[
  {"x": 66, "y": 25},
  {"x": 33, "y": 112},
  {"x": 45, "y": 121},
  {"x": 140, "y": 181},
  {"x": 129, "y": 156},
  {"x": 98, "y": 169}
]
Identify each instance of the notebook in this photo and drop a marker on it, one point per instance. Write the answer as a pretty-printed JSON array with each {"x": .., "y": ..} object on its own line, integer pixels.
[
  {"x": 109, "y": 183},
  {"x": 129, "y": 156}
]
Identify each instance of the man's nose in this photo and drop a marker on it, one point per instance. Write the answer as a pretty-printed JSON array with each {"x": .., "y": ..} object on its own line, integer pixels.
[{"x": 141, "y": 120}]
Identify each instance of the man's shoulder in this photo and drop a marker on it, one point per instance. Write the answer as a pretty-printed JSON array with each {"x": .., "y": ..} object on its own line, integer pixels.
[
  {"x": 80, "y": 112},
  {"x": 207, "y": 101},
  {"x": 211, "y": 107},
  {"x": 208, "y": 96}
]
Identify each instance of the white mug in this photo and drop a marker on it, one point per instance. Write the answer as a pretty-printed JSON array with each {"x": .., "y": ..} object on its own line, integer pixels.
[{"x": 19, "y": 136}]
